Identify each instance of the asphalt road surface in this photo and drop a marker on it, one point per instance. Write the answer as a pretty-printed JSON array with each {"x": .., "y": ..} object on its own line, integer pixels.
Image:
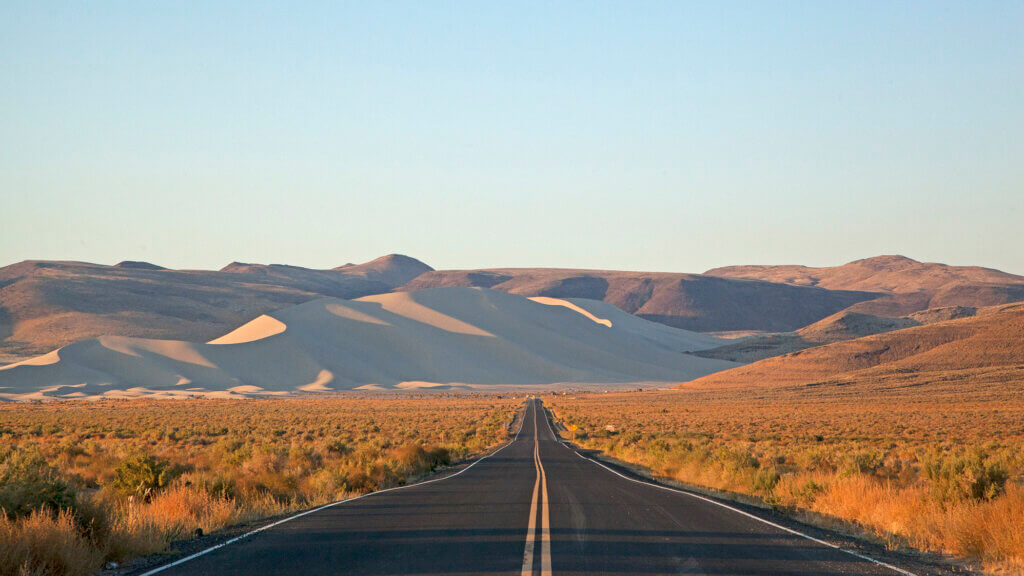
[{"x": 533, "y": 507}]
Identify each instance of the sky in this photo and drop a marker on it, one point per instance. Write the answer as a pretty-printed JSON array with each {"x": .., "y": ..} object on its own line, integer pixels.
[{"x": 666, "y": 136}]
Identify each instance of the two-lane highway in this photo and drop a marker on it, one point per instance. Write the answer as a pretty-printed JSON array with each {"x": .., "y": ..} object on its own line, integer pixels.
[{"x": 533, "y": 507}]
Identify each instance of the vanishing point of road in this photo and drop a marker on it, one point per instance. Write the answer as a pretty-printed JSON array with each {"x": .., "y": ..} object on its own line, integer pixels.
[{"x": 535, "y": 506}]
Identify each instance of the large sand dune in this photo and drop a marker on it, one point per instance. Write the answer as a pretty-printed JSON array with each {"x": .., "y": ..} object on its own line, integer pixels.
[
  {"x": 45, "y": 305},
  {"x": 437, "y": 338}
]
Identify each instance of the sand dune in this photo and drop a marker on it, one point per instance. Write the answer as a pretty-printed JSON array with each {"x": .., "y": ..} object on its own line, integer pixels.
[
  {"x": 608, "y": 315},
  {"x": 258, "y": 329},
  {"x": 45, "y": 305},
  {"x": 572, "y": 306},
  {"x": 437, "y": 338}
]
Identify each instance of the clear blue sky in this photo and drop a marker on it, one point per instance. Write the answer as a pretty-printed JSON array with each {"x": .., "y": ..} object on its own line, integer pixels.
[{"x": 658, "y": 136}]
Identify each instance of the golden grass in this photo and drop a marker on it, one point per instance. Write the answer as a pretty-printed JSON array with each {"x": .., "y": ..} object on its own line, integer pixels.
[
  {"x": 89, "y": 482},
  {"x": 932, "y": 467},
  {"x": 42, "y": 544}
]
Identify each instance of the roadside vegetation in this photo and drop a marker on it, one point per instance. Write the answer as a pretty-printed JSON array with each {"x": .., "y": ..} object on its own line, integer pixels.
[
  {"x": 86, "y": 483},
  {"x": 937, "y": 471}
]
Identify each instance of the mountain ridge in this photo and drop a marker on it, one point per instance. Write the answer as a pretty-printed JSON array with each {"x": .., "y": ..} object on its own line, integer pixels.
[
  {"x": 688, "y": 301},
  {"x": 984, "y": 348}
]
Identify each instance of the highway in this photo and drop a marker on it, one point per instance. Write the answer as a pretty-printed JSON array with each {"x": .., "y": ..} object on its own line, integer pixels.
[{"x": 535, "y": 506}]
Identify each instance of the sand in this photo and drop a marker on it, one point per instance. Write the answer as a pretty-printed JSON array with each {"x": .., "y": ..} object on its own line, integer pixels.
[
  {"x": 443, "y": 338},
  {"x": 258, "y": 329}
]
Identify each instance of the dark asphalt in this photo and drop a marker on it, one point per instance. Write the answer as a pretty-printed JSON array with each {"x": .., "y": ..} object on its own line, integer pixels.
[{"x": 477, "y": 523}]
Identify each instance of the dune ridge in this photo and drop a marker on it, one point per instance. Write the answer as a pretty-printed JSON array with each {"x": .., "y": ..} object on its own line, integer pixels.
[
  {"x": 432, "y": 339},
  {"x": 49, "y": 304}
]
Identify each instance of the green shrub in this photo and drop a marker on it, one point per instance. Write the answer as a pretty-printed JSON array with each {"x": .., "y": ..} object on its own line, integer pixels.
[
  {"x": 737, "y": 459},
  {"x": 971, "y": 476},
  {"x": 866, "y": 462},
  {"x": 809, "y": 491},
  {"x": 232, "y": 451},
  {"x": 339, "y": 447},
  {"x": 765, "y": 480},
  {"x": 28, "y": 483},
  {"x": 631, "y": 437},
  {"x": 142, "y": 475},
  {"x": 219, "y": 487}
]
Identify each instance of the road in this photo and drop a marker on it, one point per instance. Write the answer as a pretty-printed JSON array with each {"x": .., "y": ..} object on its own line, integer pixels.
[{"x": 533, "y": 507}]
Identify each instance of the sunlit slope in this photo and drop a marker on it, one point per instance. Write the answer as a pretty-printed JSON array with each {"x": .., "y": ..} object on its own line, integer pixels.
[
  {"x": 431, "y": 338},
  {"x": 987, "y": 348}
]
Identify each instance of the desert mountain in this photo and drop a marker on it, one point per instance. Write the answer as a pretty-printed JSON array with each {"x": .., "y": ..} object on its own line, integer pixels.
[
  {"x": 44, "y": 305},
  {"x": 688, "y": 301},
  {"x": 433, "y": 338},
  {"x": 908, "y": 285},
  {"x": 382, "y": 274},
  {"x": 393, "y": 269},
  {"x": 983, "y": 350},
  {"x": 845, "y": 325}
]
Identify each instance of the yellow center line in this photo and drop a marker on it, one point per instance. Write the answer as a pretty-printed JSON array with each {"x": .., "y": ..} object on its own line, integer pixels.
[
  {"x": 540, "y": 486},
  {"x": 530, "y": 531},
  {"x": 545, "y": 520}
]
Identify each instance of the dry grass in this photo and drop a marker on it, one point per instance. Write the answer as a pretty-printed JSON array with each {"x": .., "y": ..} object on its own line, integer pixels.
[
  {"x": 83, "y": 483},
  {"x": 42, "y": 543},
  {"x": 931, "y": 466}
]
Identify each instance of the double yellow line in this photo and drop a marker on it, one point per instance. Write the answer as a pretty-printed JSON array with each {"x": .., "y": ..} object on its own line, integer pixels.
[{"x": 540, "y": 488}]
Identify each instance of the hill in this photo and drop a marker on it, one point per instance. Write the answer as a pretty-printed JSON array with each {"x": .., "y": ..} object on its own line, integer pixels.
[
  {"x": 688, "y": 301},
  {"x": 436, "y": 338},
  {"x": 381, "y": 275},
  {"x": 845, "y": 325},
  {"x": 44, "y": 305},
  {"x": 982, "y": 350},
  {"x": 908, "y": 285},
  {"x": 393, "y": 269}
]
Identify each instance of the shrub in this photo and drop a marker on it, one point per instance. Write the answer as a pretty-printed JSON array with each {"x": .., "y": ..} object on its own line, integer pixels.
[
  {"x": 809, "y": 491},
  {"x": 262, "y": 458},
  {"x": 415, "y": 458},
  {"x": 142, "y": 475},
  {"x": 866, "y": 462},
  {"x": 28, "y": 483},
  {"x": 737, "y": 459},
  {"x": 339, "y": 447},
  {"x": 219, "y": 487},
  {"x": 966, "y": 477},
  {"x": 765, "y": 480},
  {"x": 358, "y": 481},
  {"x": 439, "y": 456}
]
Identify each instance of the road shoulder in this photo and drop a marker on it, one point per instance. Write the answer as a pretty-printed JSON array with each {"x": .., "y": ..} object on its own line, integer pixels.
[{"x": 180, "y": 549}]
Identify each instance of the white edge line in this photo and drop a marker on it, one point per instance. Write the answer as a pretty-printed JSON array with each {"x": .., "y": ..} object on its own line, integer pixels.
[
  {"x": 737, "y": 510},
  {"x": 325, "y": 506}
]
